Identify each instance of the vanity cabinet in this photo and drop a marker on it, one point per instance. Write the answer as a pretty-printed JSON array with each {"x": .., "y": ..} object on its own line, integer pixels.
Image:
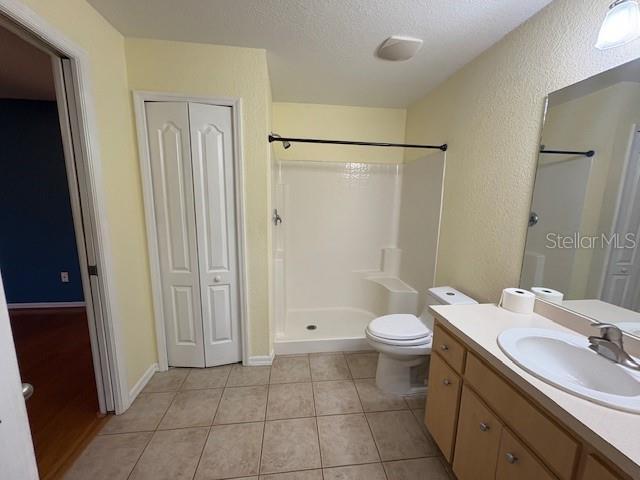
[
  {"x": 515, "y": 461},
  {"x": 593, "y": 469},
  {"x": 477, "y": 439},
  {"x": 444, "y": 392},
  {"x": 487, "y": 450},
  {"x": 488, "y": 429},
  {"x": 557, "y": 449}
]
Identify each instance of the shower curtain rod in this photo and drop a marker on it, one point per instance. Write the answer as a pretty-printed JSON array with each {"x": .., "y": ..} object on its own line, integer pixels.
[
  {"x": 588, "y": 153},
  {"x": 285, "y": 140}
]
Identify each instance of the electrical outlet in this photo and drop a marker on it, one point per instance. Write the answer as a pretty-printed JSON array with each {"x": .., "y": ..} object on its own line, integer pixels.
[{"x": 64, "y": 277}]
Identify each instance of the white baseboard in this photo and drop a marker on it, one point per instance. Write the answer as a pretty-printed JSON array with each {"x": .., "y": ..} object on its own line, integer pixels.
[
  {"x": 259, "y": 360},
  {"x": 46, "y": 305},
  {"x": 141, "y": 383}
]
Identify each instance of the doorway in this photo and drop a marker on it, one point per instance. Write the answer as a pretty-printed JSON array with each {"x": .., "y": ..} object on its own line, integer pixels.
[{"x": 47, "y": 254}]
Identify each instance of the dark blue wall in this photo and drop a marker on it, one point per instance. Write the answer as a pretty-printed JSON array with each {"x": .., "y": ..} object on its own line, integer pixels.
[{"x": 37, "y": 239}]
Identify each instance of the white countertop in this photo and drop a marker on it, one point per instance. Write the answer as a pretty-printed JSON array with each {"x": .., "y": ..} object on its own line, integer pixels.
[{"x": 614, "y": 433}]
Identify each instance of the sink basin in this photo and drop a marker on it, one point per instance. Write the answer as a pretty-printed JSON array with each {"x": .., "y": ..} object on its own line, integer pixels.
[{"x": 565, "y": 361}]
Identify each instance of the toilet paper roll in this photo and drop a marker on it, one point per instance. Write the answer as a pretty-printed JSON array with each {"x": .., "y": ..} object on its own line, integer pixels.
[
  {"x": 548, "y": 294},
  {"x": 517, "y": 300}
]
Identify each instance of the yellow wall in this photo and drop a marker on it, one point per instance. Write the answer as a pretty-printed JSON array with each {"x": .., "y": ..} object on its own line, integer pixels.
[
  {"x": 339, "y": 123},
  {"x": 105, "y": 47},
  {"x": 219, "y": 71},
  {"x": 489, "y": 113}
]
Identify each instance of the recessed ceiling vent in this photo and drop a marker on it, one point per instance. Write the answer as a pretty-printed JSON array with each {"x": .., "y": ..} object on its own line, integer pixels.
[{"x": 398, "y": 48}]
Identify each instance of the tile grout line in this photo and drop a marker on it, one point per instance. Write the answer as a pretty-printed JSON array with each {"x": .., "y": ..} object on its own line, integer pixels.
[
  {"x": 315, "y": 413},
  {"x": 175, "y": 394},
  {"x": 140, "y": 456},
  {"x": 366, "y": 419},
  {"x": 224, "y": 389},
  {"x": 252, "y": 421},
  {"x": 264, "y": 428},
  {"x": 274, "y": 473},
  {"x": 204, "y": 445},
  {"x": 153, "y": 433}
]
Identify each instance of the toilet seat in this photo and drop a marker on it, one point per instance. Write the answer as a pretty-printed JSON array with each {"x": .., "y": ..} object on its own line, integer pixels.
[
  {"x": 418, "y": 342},
  {"x": 399, "y": 328}
]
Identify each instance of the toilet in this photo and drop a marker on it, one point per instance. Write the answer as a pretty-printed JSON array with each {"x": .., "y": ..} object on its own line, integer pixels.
[{"x": 404, "y": 341}]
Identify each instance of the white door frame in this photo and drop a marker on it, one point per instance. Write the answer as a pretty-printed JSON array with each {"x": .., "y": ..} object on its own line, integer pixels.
[
  {"x": 139, "y": 98},
  {"x": 35, "y": 25}
]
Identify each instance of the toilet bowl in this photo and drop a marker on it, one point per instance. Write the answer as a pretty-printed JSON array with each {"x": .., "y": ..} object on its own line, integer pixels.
[{"x": 404, "y": 342}]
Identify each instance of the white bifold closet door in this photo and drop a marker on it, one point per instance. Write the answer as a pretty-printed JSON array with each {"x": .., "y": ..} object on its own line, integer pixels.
[{"x": 191, "y": 153}]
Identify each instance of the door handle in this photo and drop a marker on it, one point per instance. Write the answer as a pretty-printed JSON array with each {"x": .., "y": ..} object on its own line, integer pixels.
[
  {"x": 217, "y": 278},
  {"x": 27, "y": 390}
]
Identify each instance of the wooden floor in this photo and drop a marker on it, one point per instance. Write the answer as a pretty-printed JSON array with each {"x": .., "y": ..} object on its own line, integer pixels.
[{"x": 54, "y": 355}]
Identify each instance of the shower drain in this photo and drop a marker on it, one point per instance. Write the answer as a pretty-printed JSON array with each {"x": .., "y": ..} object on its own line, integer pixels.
[{"x": 311, "y": 327}]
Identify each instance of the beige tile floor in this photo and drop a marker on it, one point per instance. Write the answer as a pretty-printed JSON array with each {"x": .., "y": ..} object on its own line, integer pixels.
[{"x": 308, "y": 417}]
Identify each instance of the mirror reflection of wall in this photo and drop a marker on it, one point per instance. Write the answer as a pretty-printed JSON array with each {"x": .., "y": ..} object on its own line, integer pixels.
[{"x": 585, "y": 220}]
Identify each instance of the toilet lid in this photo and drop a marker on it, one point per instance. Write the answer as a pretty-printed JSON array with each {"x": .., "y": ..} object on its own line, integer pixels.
[{"x": 399, "y": 327}]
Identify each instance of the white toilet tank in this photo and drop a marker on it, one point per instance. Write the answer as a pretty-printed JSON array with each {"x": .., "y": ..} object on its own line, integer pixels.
[{"x": 443, "y": 296}]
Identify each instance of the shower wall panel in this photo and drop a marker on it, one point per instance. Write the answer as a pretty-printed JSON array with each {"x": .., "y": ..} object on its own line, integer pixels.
[{"x": 337, "y": 217}]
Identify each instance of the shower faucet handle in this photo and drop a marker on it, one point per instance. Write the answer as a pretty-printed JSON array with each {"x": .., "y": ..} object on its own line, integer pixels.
[{"x": 277, "y": 219}]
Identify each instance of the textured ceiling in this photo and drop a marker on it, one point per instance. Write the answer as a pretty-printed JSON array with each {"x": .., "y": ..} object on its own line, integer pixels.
[{"x": 322, "y": 51}]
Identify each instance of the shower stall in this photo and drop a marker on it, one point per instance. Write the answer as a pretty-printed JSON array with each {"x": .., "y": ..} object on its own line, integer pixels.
[{"x": 351, "y": 241}]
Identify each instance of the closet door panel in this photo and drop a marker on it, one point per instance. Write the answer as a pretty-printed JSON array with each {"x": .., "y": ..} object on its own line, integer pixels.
[
  {"x": 172, "y": 178},
  {"x": 219, "y": 307},
  {"x": 214, "y": 190}
]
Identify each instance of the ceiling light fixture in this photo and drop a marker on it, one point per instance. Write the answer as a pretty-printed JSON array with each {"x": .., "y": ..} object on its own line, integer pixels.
[
  {"x": 620, "y": 26},
  {"x": 399, "y": 48}
]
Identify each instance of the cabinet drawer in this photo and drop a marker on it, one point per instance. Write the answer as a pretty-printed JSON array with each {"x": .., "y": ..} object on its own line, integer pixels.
[
  {"x": 477, "y": 441},
  {"x": 516, "y": 462},
  {"x": 593, "y": 469},
  {"x": 548, "y": 441},
  {"x": 451, "y": 350},
  {"x": 442, "y": 407}
]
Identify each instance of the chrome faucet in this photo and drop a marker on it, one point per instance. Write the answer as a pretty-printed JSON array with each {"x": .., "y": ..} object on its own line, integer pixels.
[{"x": 610, "y": 346}]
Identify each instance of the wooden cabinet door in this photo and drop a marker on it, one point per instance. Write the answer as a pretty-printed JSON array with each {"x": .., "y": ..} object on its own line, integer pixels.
[
  {"x": 442, "y": 405},
  {"x": 552, "y": 444},
  {"x": 477, "y": 440},
  {"x": 516, "y": 462},
  {"x": 593, "y": 469}
]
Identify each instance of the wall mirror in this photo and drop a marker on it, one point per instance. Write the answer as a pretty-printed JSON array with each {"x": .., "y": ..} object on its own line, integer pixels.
[{"x": 583, "y": 240}]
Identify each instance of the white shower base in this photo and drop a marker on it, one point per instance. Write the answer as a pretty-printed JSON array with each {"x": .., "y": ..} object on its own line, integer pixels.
[{"x": 337, "y": 329}]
